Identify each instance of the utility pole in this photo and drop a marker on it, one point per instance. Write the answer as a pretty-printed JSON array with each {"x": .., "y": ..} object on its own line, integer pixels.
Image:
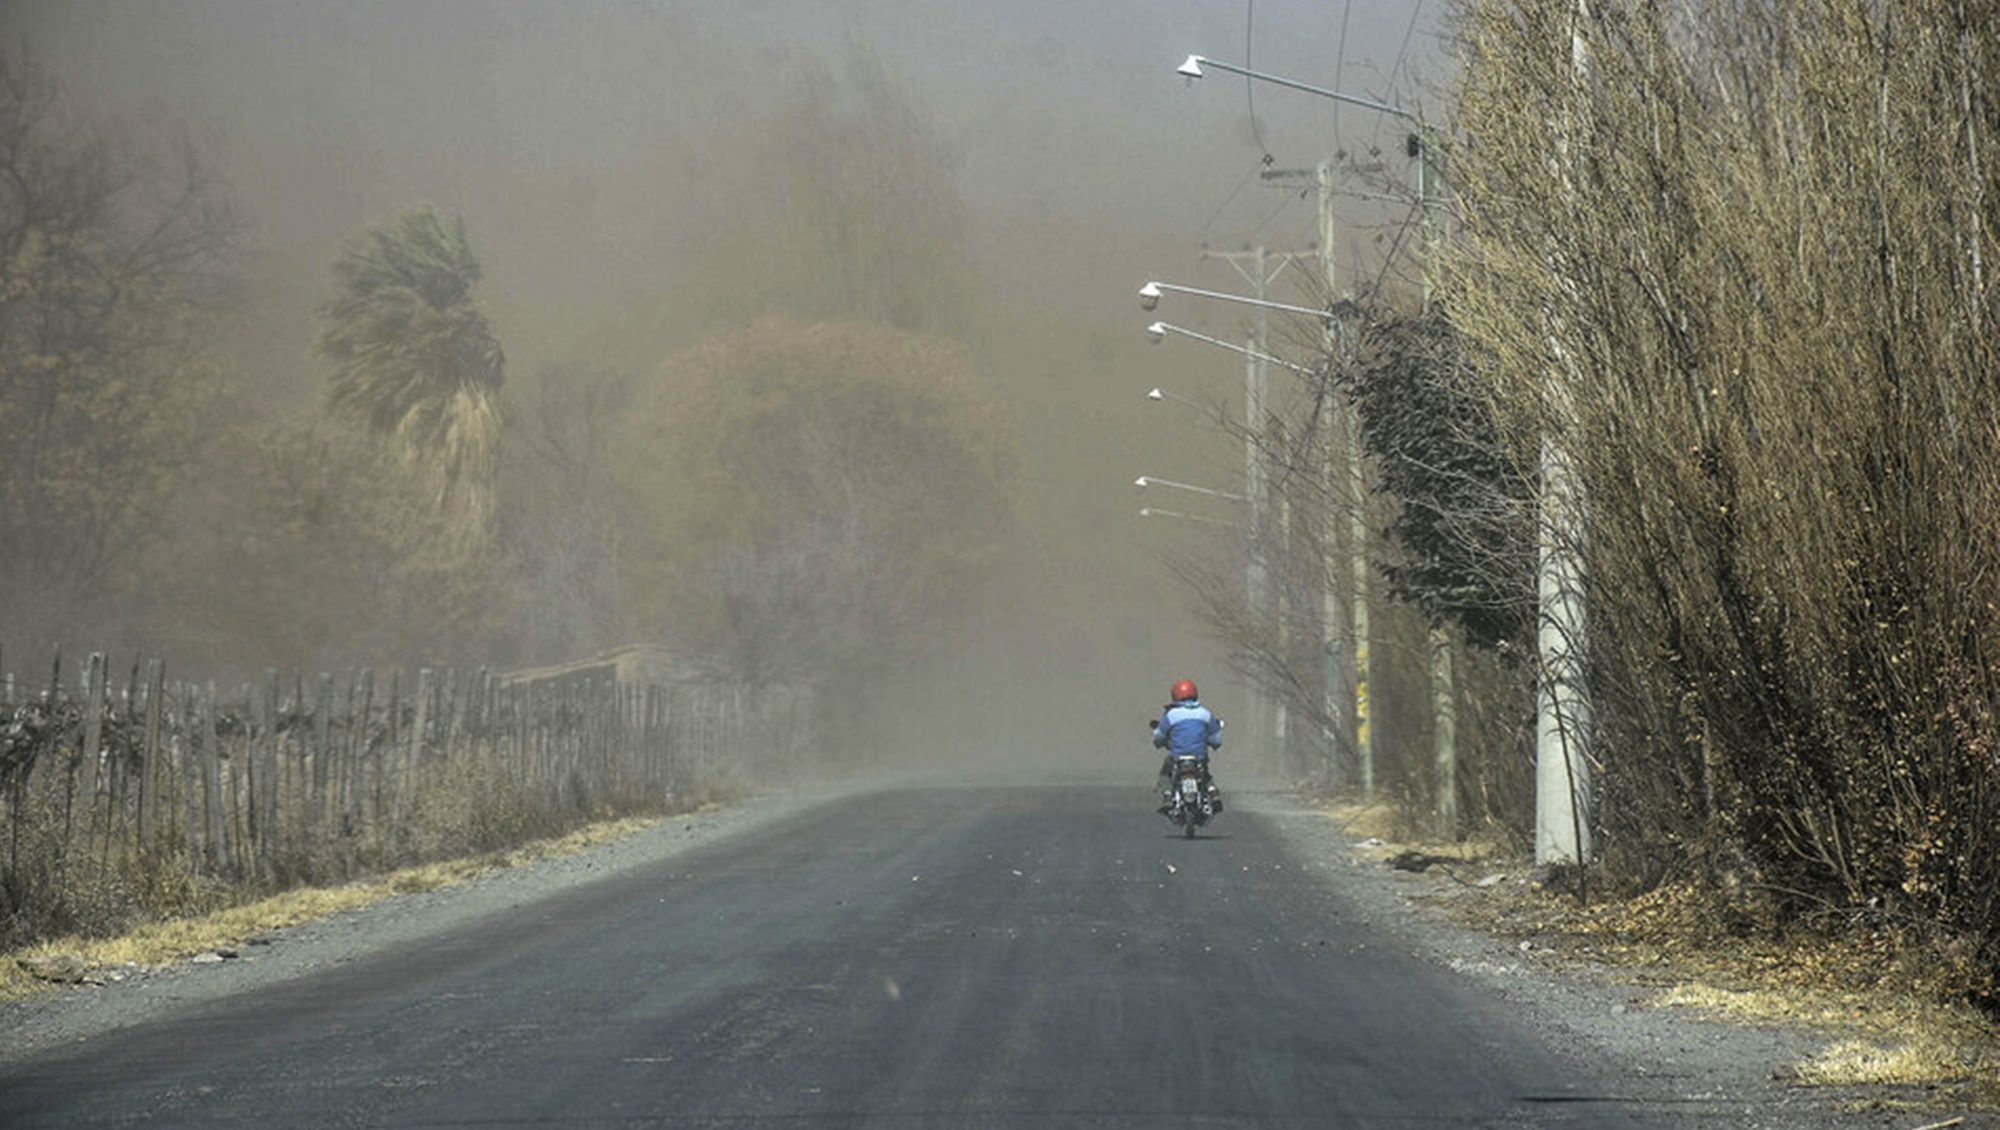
[
  {"x": 1444, "y": 681},
  {"x": 1268, "y": 589},
  {"x": 1345, "y": 623},
  {"x": 1562, "y": 699},
  {"x": 1346, "y": 633}
]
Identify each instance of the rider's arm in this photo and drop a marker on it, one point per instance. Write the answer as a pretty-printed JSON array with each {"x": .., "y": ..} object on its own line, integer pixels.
[
  {"x": 1214, "y": 732},
  {"x": 1160, "y": 732}
]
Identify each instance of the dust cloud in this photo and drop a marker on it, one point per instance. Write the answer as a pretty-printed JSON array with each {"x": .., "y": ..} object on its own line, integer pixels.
[{"x": 980, "y": 184}]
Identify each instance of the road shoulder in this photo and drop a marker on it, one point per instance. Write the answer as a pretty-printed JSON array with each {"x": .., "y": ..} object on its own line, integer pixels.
[
  {"x": 74, "y": 1013},
  {"x": 1597, "y": 1014}
]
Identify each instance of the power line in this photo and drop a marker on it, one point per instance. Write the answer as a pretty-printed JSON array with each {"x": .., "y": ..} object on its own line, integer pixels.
[
  {"x": 1247, "y": 178},
  {"x": 1402, "y": 53},
  {"x": 1402, "y": 56},
  {"x": 1402, "y": 233},
  {"x": 1275, "y": 212},
  {"x": 1339, "y": 63},
  {"x": 1249, "y": 85}
]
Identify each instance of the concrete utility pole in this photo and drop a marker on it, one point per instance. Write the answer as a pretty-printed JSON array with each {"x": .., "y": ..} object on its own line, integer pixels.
[
  {"x": 1268, "y": 595},
  {"x": 1347, "y": 654},
  {"x": 1562, "y": 699},
  {"x": 1444, "y": 680},
  {"x": 1345, "y": 630},
  {"x": 1443, "y": 693}
]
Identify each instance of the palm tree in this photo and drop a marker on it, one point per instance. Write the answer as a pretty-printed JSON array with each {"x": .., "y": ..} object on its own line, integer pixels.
[{"x": 414, "y": 361}]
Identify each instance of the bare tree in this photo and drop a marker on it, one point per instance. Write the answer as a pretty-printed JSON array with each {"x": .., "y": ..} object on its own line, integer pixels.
[
  {"x": 108, "y": 265},
  {"x": 559, "y": 515}
]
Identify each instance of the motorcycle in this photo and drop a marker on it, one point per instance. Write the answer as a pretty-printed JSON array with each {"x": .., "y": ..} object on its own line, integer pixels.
[
  {"x": 1189, "y": 804},
  {"x": 1191, "y": 799}
]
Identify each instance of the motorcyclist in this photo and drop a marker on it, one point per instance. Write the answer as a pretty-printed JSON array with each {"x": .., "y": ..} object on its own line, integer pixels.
[{"x": 1187, "y": 729}]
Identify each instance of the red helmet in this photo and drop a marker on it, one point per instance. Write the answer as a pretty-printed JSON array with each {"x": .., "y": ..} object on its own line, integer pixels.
[{"x": 1184, "y": 690}]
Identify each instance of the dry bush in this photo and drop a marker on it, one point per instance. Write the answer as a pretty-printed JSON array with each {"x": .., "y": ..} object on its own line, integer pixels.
[{"x": 1733, "y": 257}]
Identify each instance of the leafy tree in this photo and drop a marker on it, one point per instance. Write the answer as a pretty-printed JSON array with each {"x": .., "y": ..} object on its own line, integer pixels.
[{"x": 414, "y": 361}]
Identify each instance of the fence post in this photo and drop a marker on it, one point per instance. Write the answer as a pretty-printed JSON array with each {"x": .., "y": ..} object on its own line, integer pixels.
[
  {"x": 150, "y": 779},
  {"x": 124, "y": 758},
  {"x": 413, "y": 749},
  {"x": 215, "y": 833},
  {"x": 322, "y": 753},
  {"x": 353, "y": 770},
  {"x": 273, "y": 771},
  {"x": 386, "y": 776},
  {"x": 243, "y": 783},
  {"x": 93, "y": 746}
]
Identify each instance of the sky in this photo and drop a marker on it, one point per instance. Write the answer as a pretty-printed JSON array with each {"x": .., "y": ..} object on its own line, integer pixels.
[{"x": 1086, "y": 164}]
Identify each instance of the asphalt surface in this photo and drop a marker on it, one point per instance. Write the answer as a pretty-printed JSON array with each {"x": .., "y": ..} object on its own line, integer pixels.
[{"x": 914, "y": 958}]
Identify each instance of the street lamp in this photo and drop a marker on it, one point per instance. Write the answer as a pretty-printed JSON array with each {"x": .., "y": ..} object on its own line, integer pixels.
[
  {"x": 1144, "y": 481},
  {"x": 1156, "y": 512},
  {"x": 1158, "y": 331},
  {"x": 1160, "y": 394},
  {"x": 1562, "y": 705},
  {"x": 1149, "y": 297},
  {"x": 1421, "y": 145},
  {"x": 1357, "y": 620},
  {"x": 1191, "y": 68}
]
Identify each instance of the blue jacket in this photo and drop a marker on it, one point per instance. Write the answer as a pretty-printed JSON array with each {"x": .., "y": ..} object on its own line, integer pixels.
[{"x": 1188, "y": 729}]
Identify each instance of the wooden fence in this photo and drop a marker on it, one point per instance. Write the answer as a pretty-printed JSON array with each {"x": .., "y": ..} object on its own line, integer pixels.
[{"x": 300, "y": 778}]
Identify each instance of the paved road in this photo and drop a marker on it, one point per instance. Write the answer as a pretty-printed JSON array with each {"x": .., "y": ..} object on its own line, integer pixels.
[{"x": 976, "y": 958}]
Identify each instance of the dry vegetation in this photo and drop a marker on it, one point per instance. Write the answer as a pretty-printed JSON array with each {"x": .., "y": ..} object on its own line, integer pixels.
[
  {"x": 1871, "y": 995},
  {"x": 800, "y": 489},
  {"x": 1734, "y": 260},
  {"x": 1735, "y": 256},
  {"x": 191, "y": 931}
]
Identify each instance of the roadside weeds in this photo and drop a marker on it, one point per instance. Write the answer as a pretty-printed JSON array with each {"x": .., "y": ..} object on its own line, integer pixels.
[
  {"x": 42, "y": 968},
  {"x": 1902, "y": 1034}
]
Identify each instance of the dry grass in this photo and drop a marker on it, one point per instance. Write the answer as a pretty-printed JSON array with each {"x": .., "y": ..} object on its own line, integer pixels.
[
  {"x": 1881, "y": 1038},
  {"x": 1924, "y": 1062},
  {"x": 163, "y": 942},
  {"x": 1395, "y": 831},
  {"x": 1378, "y": 821},
  {"x": 1889, "y": 1014}
]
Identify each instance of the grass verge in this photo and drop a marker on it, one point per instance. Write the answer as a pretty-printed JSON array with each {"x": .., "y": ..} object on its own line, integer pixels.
[{"x": 160, "y": 943}]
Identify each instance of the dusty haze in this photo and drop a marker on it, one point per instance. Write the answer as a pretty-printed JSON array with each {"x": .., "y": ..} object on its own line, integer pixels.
[{"x": 614, "y": 164}]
